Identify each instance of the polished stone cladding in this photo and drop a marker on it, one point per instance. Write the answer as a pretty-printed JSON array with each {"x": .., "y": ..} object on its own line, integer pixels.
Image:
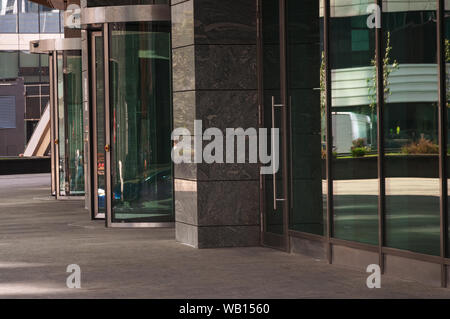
[{"x": 215, "y": 80}]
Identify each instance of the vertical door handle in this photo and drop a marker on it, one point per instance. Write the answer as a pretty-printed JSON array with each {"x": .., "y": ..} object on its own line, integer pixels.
[{"x": 275, "y": 196}]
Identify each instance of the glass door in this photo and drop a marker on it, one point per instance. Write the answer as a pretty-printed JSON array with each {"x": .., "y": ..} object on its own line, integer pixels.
[
  {"x": 98, "y": 118},
  {"x": 274, "y": 231},
  {"x": 138, "y": 125},
  {"x": 292, "y": 97}
]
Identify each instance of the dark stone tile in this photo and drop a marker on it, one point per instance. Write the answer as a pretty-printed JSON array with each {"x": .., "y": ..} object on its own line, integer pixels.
[
  {"x": 231, "y": 67},
  {"x": 225, "y": 22},
  {"x": 227, "y": 109},
  {"x": 229, "y": 172},
  {"x": 228, "y": 236},
  {"x": 237, "y": 202}
]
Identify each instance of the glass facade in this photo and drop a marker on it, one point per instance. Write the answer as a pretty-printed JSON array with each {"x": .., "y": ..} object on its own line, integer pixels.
[
  {"x": 140, "y": 121},
  {"x": 24, "y": 16},
  {"x": 366, "y": 103},
  {"x": 354, "y": 126}
]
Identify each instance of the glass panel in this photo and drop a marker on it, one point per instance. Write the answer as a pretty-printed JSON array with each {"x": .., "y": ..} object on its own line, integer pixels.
[
  {"x": 8, "y": 16},
  {"x": 100, "y": 122},
  {"x": 141, "y": 167},
  {"x": 447, "y": 67},
  {"x": 304, "y": 47},
  {"x": 411, "y": 127},
  {"x": 61, "y": 126},
  {"x": 49, "y": 20},
  {"x": 28, "y": 59},
  {"x": 271, "y": 80},
  {"x": 74, "y": 122},
  {"x": 354, "y": 123},
  {"x": 9, "y": 64},
  {"x": 102, "y": 3},
  {"x": 28, "y": 17}
]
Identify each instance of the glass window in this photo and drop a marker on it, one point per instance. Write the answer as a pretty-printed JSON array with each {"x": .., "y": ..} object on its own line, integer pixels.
[
  {"x": 74, "y": 122},
  {"x": 411, "y": 127},
  {"x": 9, "y": 64},
  {"x": 8, "y": 16},
  {"x": 102, "y": 3},
  {"x": 354, "y": 124},
  {"x": 49, "y": 20},
  {"x": 27, "y": 59},
  {"x": 141, "y": 167},
  {"x": 271, "y": 82},
  {"x": 28, "y": 17},
  {"x": 304, "y": 61},
  {"x": 447, "y": 79}
]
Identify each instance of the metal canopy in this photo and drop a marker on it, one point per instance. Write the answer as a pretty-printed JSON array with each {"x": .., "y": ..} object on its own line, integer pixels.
[{"x": 49, "y": 45}]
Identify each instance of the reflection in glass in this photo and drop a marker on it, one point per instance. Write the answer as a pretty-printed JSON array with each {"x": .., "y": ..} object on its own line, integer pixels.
[
  {"x": 8, "y": 16},
  {"x": 74, "y": 122},
  {"x": 141, "y": 170},
  {"x": 9, "y": 61},
  {"x": 271, "y": 83},
  {"x": 61, "y": 126},
  {"x": 100, "y": 122},
  {"x": 304, "y": 47},
  {"x": 49, "y": 20},
  {"x": 354, "y": 123},
  {"x": 28, "y": 17},
  {"x": 411, "y": 127}
]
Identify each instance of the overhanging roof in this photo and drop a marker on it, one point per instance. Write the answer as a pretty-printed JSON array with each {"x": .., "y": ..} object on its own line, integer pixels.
[{"x": 56, "y": 4}]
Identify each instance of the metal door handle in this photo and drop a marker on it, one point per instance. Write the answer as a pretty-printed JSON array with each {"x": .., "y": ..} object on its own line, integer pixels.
[{"x": 275, "y": 199}]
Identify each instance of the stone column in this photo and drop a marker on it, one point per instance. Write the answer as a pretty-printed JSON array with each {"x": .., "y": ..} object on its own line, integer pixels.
[{"x": 215, "y": 80}]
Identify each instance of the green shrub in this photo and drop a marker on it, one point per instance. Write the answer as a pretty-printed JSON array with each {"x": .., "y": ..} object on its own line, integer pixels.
[
  {"x": 422, "y": 146},
  {"x": 359, "y": 148},
  {"x": 359, "y": 151}
]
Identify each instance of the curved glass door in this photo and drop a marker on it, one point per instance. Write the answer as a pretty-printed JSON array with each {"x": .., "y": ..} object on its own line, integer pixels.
[
  {"x": 74, "y": 123},
  {"x": 98, "y": 117},
  {"x": 140, "y": 123},
  {"x": 69, "y": 122}
]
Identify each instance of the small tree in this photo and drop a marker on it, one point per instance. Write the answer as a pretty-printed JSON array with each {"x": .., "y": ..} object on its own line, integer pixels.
[{"x": 387, "y": 70}]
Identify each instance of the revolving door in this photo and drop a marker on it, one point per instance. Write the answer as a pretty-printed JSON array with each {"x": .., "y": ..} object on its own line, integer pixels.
[
  {"x": 66, "y": 115},
  {"x": 128, "y": 53}
]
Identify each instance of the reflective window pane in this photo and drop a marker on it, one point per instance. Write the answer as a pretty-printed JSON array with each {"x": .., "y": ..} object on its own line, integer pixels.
[
  {"x": 411, "y": 127},
  {"x": 49, "y": 20},
  {"x": 74, "y": 122},
  {"x": 9, "y": 64},
  {"x": 354, "y": 123},
  {"x": 141, "y": 169},
  {"x": 8, "y": 16},
  {"x": 28, "y": 17},
  {"x": 304, "y": 61}
]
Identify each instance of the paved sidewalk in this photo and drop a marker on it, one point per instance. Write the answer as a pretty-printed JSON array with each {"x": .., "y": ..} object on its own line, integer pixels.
[{"x": 39, "y": 237}]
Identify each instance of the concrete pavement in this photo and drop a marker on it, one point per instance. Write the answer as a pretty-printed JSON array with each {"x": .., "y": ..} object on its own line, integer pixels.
[{"x": 39, "y": 237}]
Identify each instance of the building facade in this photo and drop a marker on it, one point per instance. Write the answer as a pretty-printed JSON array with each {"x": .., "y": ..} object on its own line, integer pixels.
[
  {"x": 358, "y": 90},
  {"x": 20, "y": 22}
]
